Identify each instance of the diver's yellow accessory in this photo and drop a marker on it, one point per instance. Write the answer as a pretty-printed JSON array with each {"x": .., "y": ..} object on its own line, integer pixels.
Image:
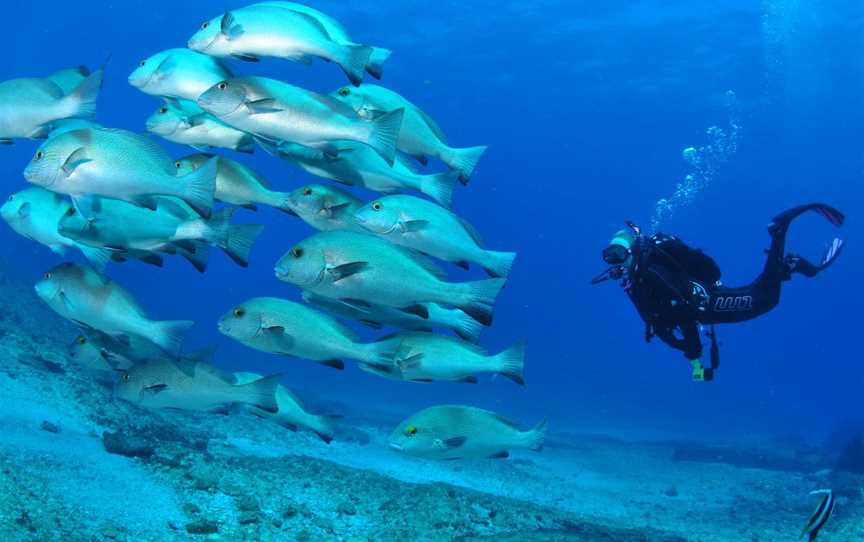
[{"x": 698, "y": 370}]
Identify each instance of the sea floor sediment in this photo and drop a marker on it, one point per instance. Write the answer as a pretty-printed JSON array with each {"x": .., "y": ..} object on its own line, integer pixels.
[{"x": 77, "y": 465}]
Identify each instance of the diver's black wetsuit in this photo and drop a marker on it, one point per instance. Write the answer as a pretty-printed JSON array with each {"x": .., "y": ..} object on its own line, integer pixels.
[{"x": 676, "y": 288}]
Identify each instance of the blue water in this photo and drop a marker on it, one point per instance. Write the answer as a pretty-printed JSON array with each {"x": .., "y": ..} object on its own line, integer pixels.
[{"x": 586, "y": 107}]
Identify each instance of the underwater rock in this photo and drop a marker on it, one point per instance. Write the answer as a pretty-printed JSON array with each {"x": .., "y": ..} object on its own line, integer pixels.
[
  {"x": 202, "y": 526},
  {"x": 248, "y": 503},
  {"x": 121, "y": 443},
  {"x": 346, "y": 508},
  {"x": 50, "y": 427},
  {"x": 766, "y": 458}
]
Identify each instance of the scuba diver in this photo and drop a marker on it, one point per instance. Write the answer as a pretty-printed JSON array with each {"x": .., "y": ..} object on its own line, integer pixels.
[{"x": 676, "y": 289}]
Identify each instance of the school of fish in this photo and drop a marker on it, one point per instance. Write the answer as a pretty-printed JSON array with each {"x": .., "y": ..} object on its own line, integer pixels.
[{"x": 381, "y": 260}]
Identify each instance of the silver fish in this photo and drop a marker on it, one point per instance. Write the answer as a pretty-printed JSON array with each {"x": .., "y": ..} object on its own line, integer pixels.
[
  {"x": 100, "y": 351},
  {"x": 35, "y": 213},
  {"x": 178, "y": 73},
  {"x": 281, "y": 112},
  {"x": 431, "y": 229},
  {"x": 359, "y": 165},
  {"x": 420, "y": 135},
  {"x": 291, "y": 413},
  {"x": 202, "y": 131},
  {"x": 339, "y": 34},
  {"x": 191, "y": 385},
  {"x": 92, "y": 300},
  {"x": 462, "y": 432},
  {"x": 325, "y": 207},
  {"x": 377, "y": 316},
  {"x": 120, "y": 165},
  {"x": 286, "y": 328},
  {"x": 237, "y": 184},
  {"x": 28, "y": 106},
  {"x": 364, "y": 270},
  {"x": 120, "y": 226},
  {"x": 427, "y": 357},
  {"x": 268, "y": 30}
]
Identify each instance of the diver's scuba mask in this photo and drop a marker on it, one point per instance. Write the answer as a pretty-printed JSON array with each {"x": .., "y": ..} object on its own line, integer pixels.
[{"x": 619, "y": 253}]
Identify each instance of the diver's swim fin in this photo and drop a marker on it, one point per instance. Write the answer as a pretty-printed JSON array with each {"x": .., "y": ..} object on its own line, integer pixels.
[
  {"x": 781, "y": 222},
  {"x": 798, "y": 264}
]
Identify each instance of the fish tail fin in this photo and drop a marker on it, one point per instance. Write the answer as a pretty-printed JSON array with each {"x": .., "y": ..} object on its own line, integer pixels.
[
  {"x": 199, "y": 187},
  {"x": 355, "y": 60},
  {"x": 82, "y": 100},
  {"x": 235, "y": 239},
  {"x": 199, "y": 257},
  {"x": 498, "y": 264},
  {"x": 323, "y": 427},
  {"x": 262, "y": 392},
  {"x": 464, "y": 160},
  {"x": 479, "y": 296},
  {"x": 379, "y": 56},
  {"x": 466, "y": 327},
  {"x": 169, "y": 335},
  {"x": 535, "y": 437},
  {"x": 385, "y": 134},
  {"x": 98, "y": 257},
  {"x": 440, "y": 187},
  {"x": 512, "y": 363}
]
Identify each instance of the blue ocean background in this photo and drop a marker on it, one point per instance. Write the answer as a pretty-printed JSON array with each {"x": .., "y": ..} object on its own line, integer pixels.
[{"x": 586, "y": 107}]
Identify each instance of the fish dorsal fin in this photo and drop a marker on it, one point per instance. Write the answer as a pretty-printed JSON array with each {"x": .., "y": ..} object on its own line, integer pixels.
[
  {"x": 314, "y": 22},
  {"x": 172, "y": 207},
  {"x": 146, "y": 144},
  {"x": 508, "y": 422},
  {"x": 424, "y": 262},
  {"x": 337, "y": 106}
]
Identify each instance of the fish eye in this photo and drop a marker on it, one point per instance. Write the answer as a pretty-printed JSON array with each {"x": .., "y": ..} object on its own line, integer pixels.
[
  {"x": 71, "y": 211},
  {"x": 47, "y": 276},
  {"x": 223, "y": 85},
  {"x": 307, "y": 191},
  {"x": 125, "y": 377},
  {"x": 377, "y": 206},
  {"x": 81, "y": 340},
  {"x": 142, "y": 63},
  {"x": 177, "y": 164},
  {"x": 410, "y": 431},
  {"x": 205, "y": 25},
  {"x": 344, "y": 91},
  {"x": 11, "y": 197},
  {"x": 297, "y": 252},
  {"x": 239, "y": 312},
  {"x": 39, "y": 155},
  {"x": 163, "y": 110}
]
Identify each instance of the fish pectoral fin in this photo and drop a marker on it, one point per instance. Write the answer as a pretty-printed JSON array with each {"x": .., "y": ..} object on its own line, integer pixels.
[
  {"x": 40, "y": 133},
  {"x": 414, "y": 225},
  {"x": 455, "y": 442},
  {"x": 245, "y": 58},
  {"x": 156, "y": 388},
  {"x": 284, "y": 341},
  {"x": 338, "y": 209},
  {"x": 381, "y": 367},
  {"x": 24, "y": 210},
  {"x": 500, "y": 455},
  {"x": 264, "y": 105},
  {"x": 147, "y": 202},
  {"x": 77, "y": 158},
  {"x": 469, "y": 380},
  {"x": 188, "y": 246},
  {"x": 230, "y": 27},
  {"x": 344, "y": 271},
  {"x": 422, "y": 380},
  {"x": 411, "y": 362},
  {"x": 357, "y": 304},
  {"x": 6, "y": 142}
]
